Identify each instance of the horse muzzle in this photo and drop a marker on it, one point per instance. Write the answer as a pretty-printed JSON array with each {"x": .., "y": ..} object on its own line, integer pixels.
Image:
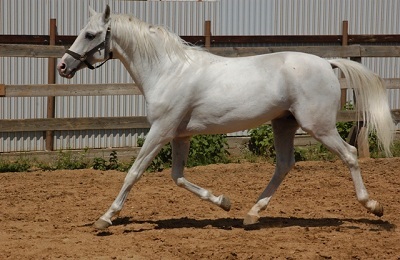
[{"x": 66, "y": 71}]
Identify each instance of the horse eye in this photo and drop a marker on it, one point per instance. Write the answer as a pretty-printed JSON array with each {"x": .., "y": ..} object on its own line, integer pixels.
[{"x": 90, "y": 36}]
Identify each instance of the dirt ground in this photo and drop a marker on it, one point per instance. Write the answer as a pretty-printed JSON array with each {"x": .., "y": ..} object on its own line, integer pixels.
[{"x": 314, "y": 214}]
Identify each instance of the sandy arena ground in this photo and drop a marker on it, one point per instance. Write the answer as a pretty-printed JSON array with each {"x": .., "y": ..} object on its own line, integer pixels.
[{"x": 314, "y": 214}]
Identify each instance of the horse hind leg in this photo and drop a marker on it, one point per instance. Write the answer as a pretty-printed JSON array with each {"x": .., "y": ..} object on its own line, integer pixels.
[
  {"x": 180, "y": 151},
  {"x": 348, "y": 154},
  {"x": 284, "y": 131}
]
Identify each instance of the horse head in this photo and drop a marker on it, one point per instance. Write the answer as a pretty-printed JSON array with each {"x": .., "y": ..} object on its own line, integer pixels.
[{"x": 91, "y": 46}]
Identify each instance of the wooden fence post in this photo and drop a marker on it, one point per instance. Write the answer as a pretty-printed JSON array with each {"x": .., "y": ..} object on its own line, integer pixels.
[
  {"x": 51, "y": 79},
  {"x": 207, "y": 34},
  {"x": 345, "y": 42},
  {"x": 2, "y": 90},
  {"x": 358, "y": 131}
]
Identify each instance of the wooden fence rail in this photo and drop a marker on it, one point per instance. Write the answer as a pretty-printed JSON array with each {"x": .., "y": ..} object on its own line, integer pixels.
[
  {"x": 43, "y": 90},
  {"x": 363, "y": 39},
  {"x": 86, "y": 123}
]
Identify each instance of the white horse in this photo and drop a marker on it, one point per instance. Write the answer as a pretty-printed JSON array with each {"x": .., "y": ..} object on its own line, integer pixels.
[{"x": 190, "y": 91}]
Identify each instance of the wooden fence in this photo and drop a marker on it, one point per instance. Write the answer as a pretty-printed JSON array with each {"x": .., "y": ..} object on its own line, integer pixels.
[{"x": 10, "y": 46}]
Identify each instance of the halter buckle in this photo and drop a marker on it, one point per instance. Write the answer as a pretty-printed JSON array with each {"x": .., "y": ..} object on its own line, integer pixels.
[{"x": 83, "y": 58}]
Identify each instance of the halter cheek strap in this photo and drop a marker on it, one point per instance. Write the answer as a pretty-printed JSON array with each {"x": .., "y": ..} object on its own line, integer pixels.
[{"x": 105, "y": 45}]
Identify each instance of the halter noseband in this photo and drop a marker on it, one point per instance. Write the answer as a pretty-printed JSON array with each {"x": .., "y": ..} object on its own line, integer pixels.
[{"x": 105, "y": 45}]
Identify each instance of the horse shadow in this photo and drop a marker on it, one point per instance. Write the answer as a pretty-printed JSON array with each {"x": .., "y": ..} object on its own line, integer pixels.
[{"x": 264, "y": 223}]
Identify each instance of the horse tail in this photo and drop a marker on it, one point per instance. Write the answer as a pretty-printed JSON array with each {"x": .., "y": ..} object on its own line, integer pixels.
[{"x": 372, "y": 102}]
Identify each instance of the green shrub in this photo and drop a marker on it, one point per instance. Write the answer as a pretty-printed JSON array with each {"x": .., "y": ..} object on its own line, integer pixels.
[
  {"x": 112, "y": 164},
  {"x": 344, "y": 128},
  {"x": 204, "y": 149},
  {"x": 316, "y": 152},
  {"x": 67, "y": 160},
  {"x": 19, "y": 165},
  {"x": 102, "y": 164},
  {"x": 261, "y": 142},
  {"x": 396, "y": 149},
  {"x": 71, "y": 160},
  {"x": 208, "y": 149}
]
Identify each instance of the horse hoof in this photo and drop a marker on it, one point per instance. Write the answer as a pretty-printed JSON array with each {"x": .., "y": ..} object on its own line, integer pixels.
[
  {"x": 250, "y": 220},
  {"x": 378, "y": 210},
  {"x": 225, "y": 203},
  {"x": 101, "y": 224}
]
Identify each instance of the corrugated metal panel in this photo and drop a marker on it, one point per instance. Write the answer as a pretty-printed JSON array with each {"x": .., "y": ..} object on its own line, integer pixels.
[
  {"x": 387, "y": 68},
  {"x": 325, "y": 17},
  {"x": 250, "y": 17},
  {"x": 21, "y": 141},
  {"x": 229, "y": 17}
]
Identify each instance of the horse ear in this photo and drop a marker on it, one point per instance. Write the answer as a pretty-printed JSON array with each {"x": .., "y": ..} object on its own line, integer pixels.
[
  {"x": 106, "y": 14},
  {"x": 92, "y": 11}
]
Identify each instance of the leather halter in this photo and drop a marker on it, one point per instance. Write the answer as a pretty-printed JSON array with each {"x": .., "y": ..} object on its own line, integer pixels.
[{"x": 105, "y": 45}]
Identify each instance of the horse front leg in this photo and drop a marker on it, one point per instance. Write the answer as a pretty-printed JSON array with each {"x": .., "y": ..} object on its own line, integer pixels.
[
  {"x": 180, "y": 151},
  {"x": 155, "y": 140}
]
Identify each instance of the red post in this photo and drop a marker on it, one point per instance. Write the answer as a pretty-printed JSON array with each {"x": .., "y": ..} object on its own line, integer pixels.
[
  {"x": 345, "y": 42},
  {"x": 51, "y": 79},
  {"x": 207, "y": 34},
  {"x": 2, "y": 90}
]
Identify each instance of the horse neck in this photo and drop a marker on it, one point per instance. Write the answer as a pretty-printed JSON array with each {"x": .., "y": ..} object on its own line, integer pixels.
[
  {"x": 138, "y": 68},
  {"x": 146, "y": 61}
]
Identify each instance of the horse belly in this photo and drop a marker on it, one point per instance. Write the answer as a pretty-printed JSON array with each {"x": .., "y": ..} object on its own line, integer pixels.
[{"x": 220, "y": 121}]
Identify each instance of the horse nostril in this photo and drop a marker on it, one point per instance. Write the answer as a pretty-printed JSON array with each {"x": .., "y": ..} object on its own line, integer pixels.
[{"x": 62, "y": 66}]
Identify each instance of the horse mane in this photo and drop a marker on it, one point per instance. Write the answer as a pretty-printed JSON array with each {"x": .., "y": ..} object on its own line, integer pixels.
[{"x": 127, "y": 27}]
